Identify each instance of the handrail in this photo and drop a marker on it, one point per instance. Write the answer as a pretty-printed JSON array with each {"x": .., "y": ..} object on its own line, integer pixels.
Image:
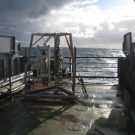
[
  {"x": 86, "y": 57},
  {"x": 95, "y": 65},
  {"x": 97, "y": 77}
]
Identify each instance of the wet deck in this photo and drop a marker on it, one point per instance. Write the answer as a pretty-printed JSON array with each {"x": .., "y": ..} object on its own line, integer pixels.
[{"x": 101, "y": 113}]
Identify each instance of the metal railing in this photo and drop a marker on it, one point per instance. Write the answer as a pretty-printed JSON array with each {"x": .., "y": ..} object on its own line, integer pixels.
[
  {"x": 94, "y": 67},
  {"x": 88, "y": 67},
  {"x": 97, "y": 67}
]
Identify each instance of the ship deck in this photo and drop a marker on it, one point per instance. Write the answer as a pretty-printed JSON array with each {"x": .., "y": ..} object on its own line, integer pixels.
[{"x": 102, "y": 112}]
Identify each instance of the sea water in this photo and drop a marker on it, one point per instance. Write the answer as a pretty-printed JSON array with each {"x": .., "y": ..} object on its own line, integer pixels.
[{"x": 99, "y": 66}]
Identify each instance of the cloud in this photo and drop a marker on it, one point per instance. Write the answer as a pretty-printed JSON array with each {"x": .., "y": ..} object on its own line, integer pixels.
[
  {"x": 22, "y": 9},
  {"x": 90, "y": 24},
  {"x": 17, "y": 10}
]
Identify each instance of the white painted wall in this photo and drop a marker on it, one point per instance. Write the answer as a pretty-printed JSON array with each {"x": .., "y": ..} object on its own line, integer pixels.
[{"x": 5, "y": 44}]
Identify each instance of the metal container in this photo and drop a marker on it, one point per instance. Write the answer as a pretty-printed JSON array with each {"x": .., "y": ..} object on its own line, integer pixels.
[{"x": 7, "y": 44}]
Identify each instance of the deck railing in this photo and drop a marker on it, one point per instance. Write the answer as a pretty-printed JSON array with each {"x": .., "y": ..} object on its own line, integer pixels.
[
  {"x": 97, "y": 67},
  {"x": 87, "y": 67},
  {"x": 94, "y": 67}
]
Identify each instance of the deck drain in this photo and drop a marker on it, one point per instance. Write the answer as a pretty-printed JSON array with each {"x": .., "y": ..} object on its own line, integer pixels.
[{"x": 75, "y": 126}]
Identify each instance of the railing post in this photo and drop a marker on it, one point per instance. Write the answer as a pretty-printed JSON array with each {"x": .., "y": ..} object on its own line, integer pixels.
[{"x": 9, "y": 75}]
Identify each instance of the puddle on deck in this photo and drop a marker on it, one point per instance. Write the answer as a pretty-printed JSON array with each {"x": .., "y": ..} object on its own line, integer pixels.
[{"x": 99, "y": 113}]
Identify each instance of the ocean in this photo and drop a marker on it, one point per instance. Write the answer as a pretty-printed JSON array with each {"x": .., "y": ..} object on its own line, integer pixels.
[
  {"x": 98, "y": 66},
  {"x": 95, "y": 67}
]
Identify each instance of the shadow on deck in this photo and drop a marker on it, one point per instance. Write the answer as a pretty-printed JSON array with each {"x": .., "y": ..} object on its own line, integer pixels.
[{"x": 102, "y": 113}]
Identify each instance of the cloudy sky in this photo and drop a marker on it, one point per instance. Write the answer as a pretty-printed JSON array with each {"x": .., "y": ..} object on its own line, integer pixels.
[{"x": 93, "y": 23}]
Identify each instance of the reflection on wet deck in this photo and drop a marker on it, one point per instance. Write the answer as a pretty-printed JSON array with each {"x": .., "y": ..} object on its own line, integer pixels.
[{"x": 99, "y": 113}]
